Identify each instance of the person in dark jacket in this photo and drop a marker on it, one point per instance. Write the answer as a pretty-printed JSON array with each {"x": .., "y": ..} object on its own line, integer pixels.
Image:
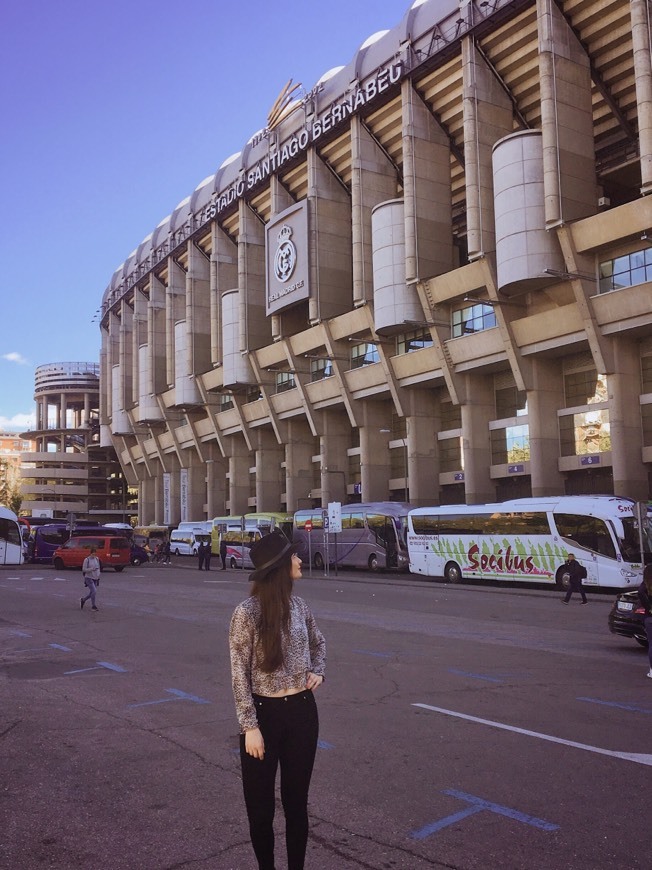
[
  {"x": 207, "y": 556},
  {"x": 645, "y": 597},
  {"x": 576, "y": 573},
  {"x": 223, "y": 552},
  {"x": 201, "y": 554}
]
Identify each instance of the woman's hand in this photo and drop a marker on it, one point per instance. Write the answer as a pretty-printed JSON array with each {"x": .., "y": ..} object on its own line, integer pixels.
[
  {"x": 313, "y": 681},
  {"x": 254, "y": 743}
]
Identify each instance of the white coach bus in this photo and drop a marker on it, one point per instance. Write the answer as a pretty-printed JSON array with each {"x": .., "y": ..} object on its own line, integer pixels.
[
  {"x": 11, "y": 541},
  {"x": 528, "y": 539}
]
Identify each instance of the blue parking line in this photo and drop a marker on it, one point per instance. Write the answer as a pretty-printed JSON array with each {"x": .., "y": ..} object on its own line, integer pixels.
[
  {"x": 477, "y": 805},
  {"x": 179, "y": 696},
  {"x": 98, "y": 667},
  {"x": 59, "y": 646},
  {"x": 19, "y": 633},
  {"x": 322, "y": 744},
  {"x": 475, "y": 676},
  {"x": 633, "y": 708},
  {"x": 368, "y": 652},
  {"x": 427, "y": 830}
]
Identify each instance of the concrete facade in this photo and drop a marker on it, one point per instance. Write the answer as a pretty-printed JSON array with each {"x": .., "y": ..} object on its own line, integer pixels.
[{"x": 472, "y": 319}]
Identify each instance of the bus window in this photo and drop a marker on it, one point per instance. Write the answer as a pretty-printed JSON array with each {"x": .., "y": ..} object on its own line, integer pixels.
[{"x": 591, "y": 533}]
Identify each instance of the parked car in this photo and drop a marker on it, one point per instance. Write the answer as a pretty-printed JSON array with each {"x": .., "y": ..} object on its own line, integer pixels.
[
  {"x": 138, "y": 555},
  {"x": 113, "y": 552},
  {"x": 626, "y": 617}
]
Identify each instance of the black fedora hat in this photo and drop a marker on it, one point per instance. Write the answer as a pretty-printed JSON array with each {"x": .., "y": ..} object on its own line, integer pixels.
[{"x": 268, "y": 553}]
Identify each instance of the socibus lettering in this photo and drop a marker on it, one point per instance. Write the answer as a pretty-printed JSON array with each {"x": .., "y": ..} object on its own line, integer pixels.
[{"x": 507, "y": 562}]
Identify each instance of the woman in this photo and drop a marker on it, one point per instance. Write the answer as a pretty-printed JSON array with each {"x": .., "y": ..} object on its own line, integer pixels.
[
  {"x": 91, "y": 573},
  {"x": 645, "y": 597},
  {"x": 278, "y": 657}
]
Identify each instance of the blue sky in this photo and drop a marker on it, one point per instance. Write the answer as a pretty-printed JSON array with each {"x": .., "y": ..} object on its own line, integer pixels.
[{"x": 112, "y": 114}]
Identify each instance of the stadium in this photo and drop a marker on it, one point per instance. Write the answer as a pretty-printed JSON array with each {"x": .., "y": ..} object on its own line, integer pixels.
[{"x": 428, "y": 278}]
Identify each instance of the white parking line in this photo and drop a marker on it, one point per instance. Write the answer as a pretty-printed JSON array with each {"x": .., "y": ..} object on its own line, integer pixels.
[{"x": 637, "y": 757}]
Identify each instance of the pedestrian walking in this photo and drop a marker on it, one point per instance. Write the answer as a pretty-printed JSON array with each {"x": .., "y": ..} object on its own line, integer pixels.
[
  {"x": 278, "y": 657},
  {"x": 223, "y": 551},
  {"x": 208, "y": 552},
  {"x": 201, "y": 555},
  {"x": 645, "y": 597},
  {"x": 575, "y": 574},
  {"x": 167, "y": 553},
  {"x": 91, "y": 575}
]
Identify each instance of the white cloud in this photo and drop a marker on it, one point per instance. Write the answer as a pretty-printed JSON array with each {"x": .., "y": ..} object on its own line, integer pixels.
[
  {"x": 16, "y": 358},
  {"x": 17, "y": 423}
]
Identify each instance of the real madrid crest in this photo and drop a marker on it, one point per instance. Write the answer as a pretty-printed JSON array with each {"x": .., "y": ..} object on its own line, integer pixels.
[{"x": 285, "y": 258}]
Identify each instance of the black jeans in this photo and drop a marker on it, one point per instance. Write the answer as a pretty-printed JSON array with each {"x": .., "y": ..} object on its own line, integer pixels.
[
  {"x": 575, "y": 587},
  {"x": 290, "y": 727}
]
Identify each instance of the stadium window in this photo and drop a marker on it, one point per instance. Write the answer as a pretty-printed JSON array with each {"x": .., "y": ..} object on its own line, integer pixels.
[{"x": 475, "y": 317}]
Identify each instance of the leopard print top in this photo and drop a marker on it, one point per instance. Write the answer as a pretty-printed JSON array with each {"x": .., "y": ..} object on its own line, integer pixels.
[{"x": 305, "y": 652}]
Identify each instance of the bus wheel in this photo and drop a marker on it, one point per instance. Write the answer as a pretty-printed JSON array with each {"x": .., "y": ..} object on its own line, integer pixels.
[
  {"x": 318, "y": 561},
  {"x": 58, "y": 564},
  {"x": 373, "y": 562},
  {"x": 559, "y": 580},
  {"x": 176, "y": 552},
  {"x": 452, "y": 573},
  {"x": 234, "y": 564}
]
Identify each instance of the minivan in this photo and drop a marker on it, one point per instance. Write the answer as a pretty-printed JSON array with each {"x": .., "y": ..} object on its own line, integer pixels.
[
  {"x": 185, "y": 542},
  {"x": 113, "y": 552}
]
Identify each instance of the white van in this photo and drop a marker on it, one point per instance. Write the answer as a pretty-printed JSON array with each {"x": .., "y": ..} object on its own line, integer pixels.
[{"x": 185, "y": 542}]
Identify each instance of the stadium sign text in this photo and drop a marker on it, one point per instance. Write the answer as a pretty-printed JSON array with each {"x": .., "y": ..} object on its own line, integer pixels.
[{"x": 328, "y": 120}]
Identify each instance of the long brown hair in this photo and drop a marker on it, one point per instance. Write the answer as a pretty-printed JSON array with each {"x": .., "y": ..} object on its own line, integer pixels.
[{"x": 273, "y": 593}]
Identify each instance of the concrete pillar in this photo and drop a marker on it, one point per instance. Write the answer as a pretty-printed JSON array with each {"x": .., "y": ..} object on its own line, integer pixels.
[
  {"x": 147, "y": 501},
  {"x": 422, "y": 425},
  {"x": 128, "y": 392},
  {"x": 375, "y": 467},
  {"x": 629, "y": 471},
  {"x": 477, "y": 411},
  {"x": 63, "y": 411},
  {"x": 255, "y": 331},
  {"x": 198, "y": 309},
  {"x": 175, "y": 312},
  {"x": 426, "y": 190},
  {"x": 156, "y": 337},
  {"x": 269, "y": 474},
  {"x": 299, "y": 451},
  {"x": 330, "y": 244},
  {"x": 487, "y": 118},
  {"x": 239, "y": 462},
  {"x": 566, "y": 120},
  {"x": 543, "y": 401},
  {"x": 641, "y": 41},
  {"x": 196, "y": 497},
  {"x": 373, "y": 180},
  {"x": 224, "y": 276},
  {"x": 334, "y": 442},
  {"x": 217, "y": 468}
]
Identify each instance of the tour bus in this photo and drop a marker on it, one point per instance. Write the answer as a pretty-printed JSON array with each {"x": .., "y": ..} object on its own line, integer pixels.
[
  {"x": 240, "y": 532},
  {"x": 373, "y": 536},
  {"x": 11, "y": 540},
  {"x": 528, "y": 539}
]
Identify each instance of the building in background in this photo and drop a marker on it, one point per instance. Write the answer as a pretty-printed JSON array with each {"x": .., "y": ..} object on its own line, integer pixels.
[
  {"x": 67, "y": 471},
  {"x": 428, "y": 277},
  {"x": 12, "y": 447}
]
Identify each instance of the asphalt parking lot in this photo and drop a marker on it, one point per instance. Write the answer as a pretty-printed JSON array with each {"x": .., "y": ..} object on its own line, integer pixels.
[{"x": 460, "y": 727}]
